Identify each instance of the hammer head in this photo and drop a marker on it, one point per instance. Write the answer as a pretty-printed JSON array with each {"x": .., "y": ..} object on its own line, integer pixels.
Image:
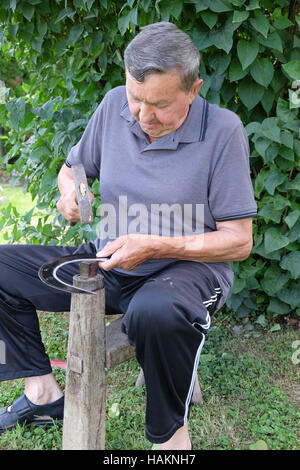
[{"x": 82, "y": 194}]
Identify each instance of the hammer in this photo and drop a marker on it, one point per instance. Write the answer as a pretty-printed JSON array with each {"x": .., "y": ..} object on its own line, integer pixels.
[
  {"x": 48, "y": 271},
  {"x": 82, "y": 194}
]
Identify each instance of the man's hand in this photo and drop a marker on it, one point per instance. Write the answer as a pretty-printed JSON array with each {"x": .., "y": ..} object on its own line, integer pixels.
[
  {"x": 127, "y": 251},
  {"x": 67, "y": 204}
]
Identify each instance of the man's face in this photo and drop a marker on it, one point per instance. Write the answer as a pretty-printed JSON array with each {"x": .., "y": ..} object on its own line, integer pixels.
[{"x": 159, "y": 104}]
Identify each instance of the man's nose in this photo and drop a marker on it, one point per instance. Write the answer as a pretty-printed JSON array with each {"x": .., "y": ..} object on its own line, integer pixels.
[{"x": 146, "y": 113}]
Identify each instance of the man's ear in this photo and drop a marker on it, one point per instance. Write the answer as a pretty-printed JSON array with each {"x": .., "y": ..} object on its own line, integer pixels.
[{"x": 196, "y": 87}]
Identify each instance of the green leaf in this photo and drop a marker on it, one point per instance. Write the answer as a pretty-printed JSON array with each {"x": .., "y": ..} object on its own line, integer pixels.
[
  {"x": 283, "y": 110},
  {"x": 291, "y": 262},
  {"x": 27, "y": 11},
  {"x": 276, "y": 327},
  {"x": 220, "y": 62},
  {"x": 253, "y": 5},
  {"x": 268, "y": 212},
  {"x": 274, "y": 179},
  {"x": 274, "y": 280},
  {"x": 66, "y": 12},
  {"x": 292, "y": 218},
  {"x": 274, "y": 240},
  {"x": 42, "y": 29},
  {"x": 261, "y": 24},
  {"x": 45, "y": 111},
  {"x": 287, "y": 139},
  {"x": 89, "y": 93},
  {"x": 282, "y": 22},
  {"x": 75, "y": 33},
  {"x": 240, "y": 16},
  {"x": 262, "y": 71},
  {"x": 286, "y": 153},
  {"x": 271, "y": 130},
  {"x": 259, "y": 183},
  {"x": 222, "y": 38},
  {"x": 209, "y": 18},
  {"x": 261, "y": 145},
  {"x": 250, "y": 92},
  {"x": 236, "y": 72},
  {"x": 238, "y": 285},
  {"x": 200, "y": 4},
  {"x": 295, "y": 183},
  {"x": 201, "y": 39},
  {"x": 253, "y": 127},
  {"x": 176, "y": 8},
  {"x": 12, "y": 4},
  {"x": 292, "y": 68},
  {"x": 219, "y": 6},
  {"x": 261, "y": 320},
  {"x": 38, "y": 153},
  {"x": 276, "y": 306},
  {"x": 268, "y": 100},
  {"x": 125, "y": 20},
  {"x": 273, "y": 41},
  {"x": 247, "y": 52},
  {"x": 17, "y": 111},
  {"x": 290, "y": 295},
  {"x": 165, "y": 12},
  {"x": 37, "y": 44}
]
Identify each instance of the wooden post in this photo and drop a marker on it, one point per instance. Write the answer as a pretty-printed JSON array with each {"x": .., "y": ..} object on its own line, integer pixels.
[{"x": 84, "y": 415}]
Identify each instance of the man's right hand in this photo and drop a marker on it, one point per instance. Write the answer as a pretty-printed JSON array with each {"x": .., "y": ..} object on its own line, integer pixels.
[
  {"x": 68, "y": 207},
  {"x": 67, "y": 203}
]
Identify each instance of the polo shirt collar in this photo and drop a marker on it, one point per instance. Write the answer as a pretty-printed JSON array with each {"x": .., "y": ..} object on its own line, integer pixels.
[{"x": 191, "y": 130}]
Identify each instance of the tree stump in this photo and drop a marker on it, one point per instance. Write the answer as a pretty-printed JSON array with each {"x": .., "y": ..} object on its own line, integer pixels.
[{"x": 84, "y": 415}]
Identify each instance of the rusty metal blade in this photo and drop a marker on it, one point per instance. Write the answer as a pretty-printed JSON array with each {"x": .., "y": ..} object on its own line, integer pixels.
[
  {"x": 48, "y": 272},
  {"x": 82, "y": 194}
]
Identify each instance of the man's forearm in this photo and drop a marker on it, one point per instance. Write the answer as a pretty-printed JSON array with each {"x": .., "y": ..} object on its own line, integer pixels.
[
  {"x": 218, "y": 246},
  {"x": 65, "y": 180}
]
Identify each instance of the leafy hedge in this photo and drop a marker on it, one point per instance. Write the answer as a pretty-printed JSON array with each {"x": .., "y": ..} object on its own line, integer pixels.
[{"x": 72, "y": 54}]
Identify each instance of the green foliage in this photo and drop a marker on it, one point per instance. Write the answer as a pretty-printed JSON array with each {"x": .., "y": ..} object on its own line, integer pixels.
[{"x": 72, "y": 53}]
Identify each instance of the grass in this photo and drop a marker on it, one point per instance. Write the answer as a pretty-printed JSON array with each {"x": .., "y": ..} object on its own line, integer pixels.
[
  {"x": 17, "y": 198},
  {"x": 248, "y": 381}
]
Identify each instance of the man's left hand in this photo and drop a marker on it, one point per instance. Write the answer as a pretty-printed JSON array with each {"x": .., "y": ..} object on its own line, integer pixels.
[{"x": 127, "y": 252}]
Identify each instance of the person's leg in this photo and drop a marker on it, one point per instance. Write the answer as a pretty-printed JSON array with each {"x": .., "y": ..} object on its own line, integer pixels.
[
  {"x": 166, "y": 321},
  {"x": 21, "y": 294}
]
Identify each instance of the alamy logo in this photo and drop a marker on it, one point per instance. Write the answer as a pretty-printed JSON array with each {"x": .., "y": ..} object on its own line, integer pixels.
[
  {"x": 158, "y": 219},
  {"x": 2, "y": 352}
]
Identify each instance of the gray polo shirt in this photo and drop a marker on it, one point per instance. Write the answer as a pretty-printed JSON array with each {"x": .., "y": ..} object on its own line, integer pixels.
[{"x": 201, "y": 170}]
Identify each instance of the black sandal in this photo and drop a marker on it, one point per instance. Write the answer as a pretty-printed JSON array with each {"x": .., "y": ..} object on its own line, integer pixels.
[{"x": 23, "y": 411}]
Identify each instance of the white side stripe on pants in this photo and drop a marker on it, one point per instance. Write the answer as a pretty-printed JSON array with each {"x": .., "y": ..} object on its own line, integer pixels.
[
  {"x": 196, "y": 362},
  {"x": 213, "y": 298}
]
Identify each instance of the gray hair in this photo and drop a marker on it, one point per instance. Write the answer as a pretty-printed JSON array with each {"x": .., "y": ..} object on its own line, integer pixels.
[{"x": 159, "y": 48}]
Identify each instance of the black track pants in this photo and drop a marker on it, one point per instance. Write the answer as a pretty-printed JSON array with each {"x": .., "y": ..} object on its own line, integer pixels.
[{"x": 166, "y": 317}]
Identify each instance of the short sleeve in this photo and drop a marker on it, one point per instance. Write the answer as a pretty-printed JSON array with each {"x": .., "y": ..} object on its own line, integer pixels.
[
  {"x": 230, "y": 189},
  {"x": 88, "y": 150}
]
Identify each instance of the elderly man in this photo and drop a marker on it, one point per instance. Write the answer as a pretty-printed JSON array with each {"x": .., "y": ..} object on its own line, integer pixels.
[{"x": 160, "y": 151}]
